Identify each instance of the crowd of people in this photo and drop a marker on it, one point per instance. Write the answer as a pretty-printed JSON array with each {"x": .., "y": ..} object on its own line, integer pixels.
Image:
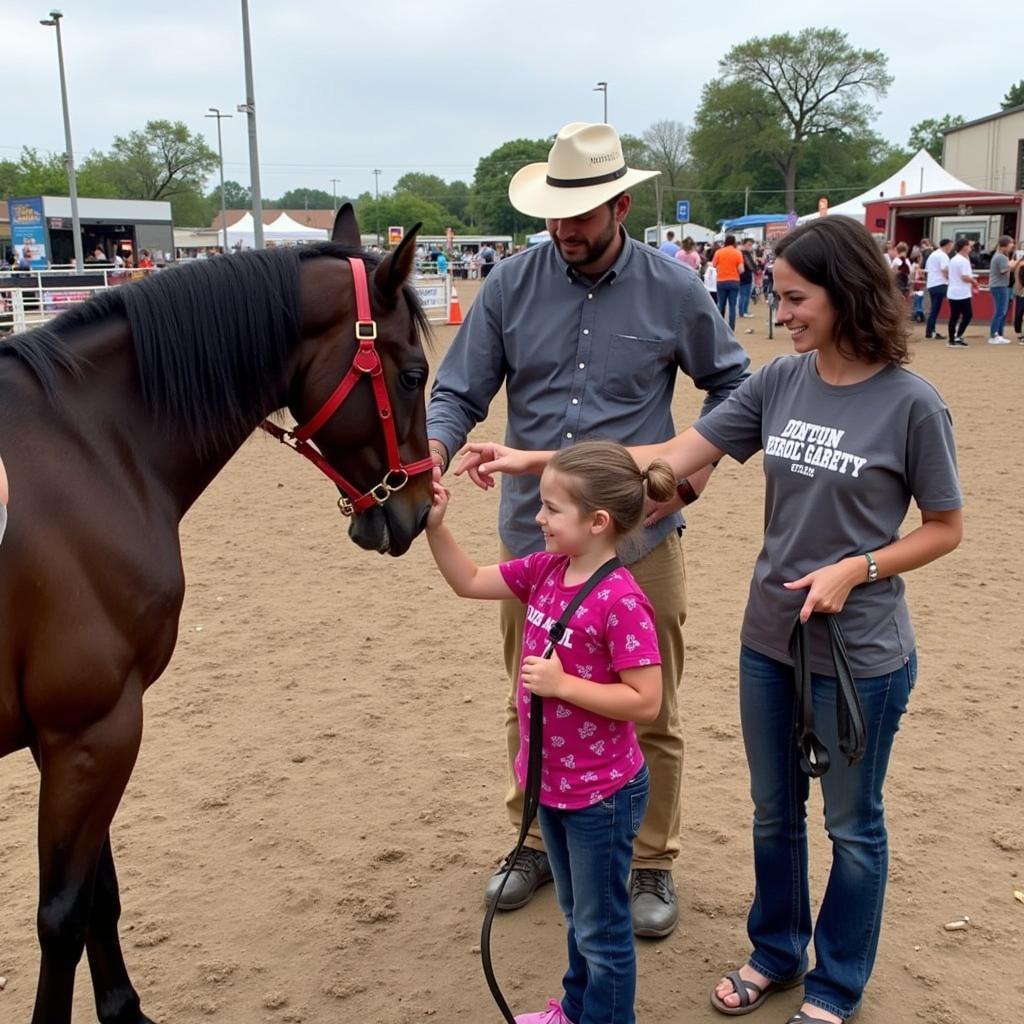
[{"x": 587, "y": 336}]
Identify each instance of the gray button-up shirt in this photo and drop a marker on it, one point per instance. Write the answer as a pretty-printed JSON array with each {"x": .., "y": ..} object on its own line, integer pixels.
[{"x": 581, "y": 359}]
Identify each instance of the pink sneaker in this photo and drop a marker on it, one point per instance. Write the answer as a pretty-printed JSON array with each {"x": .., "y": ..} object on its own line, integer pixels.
[{"x": 552, "y": 1015}]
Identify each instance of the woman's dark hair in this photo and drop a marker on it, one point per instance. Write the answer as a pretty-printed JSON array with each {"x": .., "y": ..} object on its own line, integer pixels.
[
  {"x": 603, "y": 475},
  {"x": 839, "y": 255}
]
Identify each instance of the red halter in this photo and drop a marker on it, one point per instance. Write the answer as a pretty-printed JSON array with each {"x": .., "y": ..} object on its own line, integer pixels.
[{"x": 367, "y": 360}]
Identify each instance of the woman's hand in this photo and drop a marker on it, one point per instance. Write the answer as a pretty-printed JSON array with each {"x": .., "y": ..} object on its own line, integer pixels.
[
  {"x": 543, "y": 676},
  {"x": 438, "y": 506},
  {"x": 482, "y": 460},
  {"x": 829, "y": 587},
  {"x": 655, "y": 511}
]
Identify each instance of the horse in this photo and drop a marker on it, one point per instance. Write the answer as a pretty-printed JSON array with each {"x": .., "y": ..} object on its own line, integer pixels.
[{"x": 113, "y": 419}]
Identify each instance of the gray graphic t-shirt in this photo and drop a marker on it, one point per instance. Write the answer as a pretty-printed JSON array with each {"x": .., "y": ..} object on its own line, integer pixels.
[{"x": 841, "y": 464}]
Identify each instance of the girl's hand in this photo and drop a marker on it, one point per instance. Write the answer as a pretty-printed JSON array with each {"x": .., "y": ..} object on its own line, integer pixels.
[
  {"x": 543, "y": 676},
  {"x": 482, "y": 460},
  {"x": 830, "y": 586},
  {"x": 439, "y": 505}
]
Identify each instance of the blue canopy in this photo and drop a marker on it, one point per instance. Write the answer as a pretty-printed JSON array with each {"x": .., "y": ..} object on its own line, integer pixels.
[{"x": 753, "y": 220}]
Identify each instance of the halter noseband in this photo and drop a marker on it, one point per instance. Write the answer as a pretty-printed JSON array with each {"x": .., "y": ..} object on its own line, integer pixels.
[{"x": 366, "y": 361}]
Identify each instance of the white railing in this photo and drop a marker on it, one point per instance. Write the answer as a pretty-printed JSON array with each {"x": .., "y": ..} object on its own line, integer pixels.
[{"x": 21, "y": 309}]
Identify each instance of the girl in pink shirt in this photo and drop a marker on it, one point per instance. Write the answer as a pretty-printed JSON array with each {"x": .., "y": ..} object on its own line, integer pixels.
[{"x": 603, "y": 677}]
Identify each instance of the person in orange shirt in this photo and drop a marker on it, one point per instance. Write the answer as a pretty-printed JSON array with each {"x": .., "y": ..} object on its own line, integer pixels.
[{"x": 728, "y": 264}]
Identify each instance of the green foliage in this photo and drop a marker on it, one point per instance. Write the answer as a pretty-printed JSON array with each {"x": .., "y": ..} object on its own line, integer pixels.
[
  {"x": 301, "y": 199},
  {"x": 163, "y": 160},
  {"x": 1014, "y": 96},
  {"x": 927, "y": 134},
  {"x": 405, "y": 209},
  {"x": 453, "y": 198},
  {"x": 35, "y": 175},
  {"x": 489, "y": 208},
  {"x": 236, "y": 197}
]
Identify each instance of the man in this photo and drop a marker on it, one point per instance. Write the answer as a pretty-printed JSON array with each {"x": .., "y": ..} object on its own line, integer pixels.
[
  {"x": 588, "y": 334},
  {"x": 669, "y": 247},
  {"x": 999, "y": 272},
  {"x": 487, "y": 257},
  {"x": 937, "y": 281},
  {"x": 747, "y": 277},
  {"x": 962, "y": 285}
]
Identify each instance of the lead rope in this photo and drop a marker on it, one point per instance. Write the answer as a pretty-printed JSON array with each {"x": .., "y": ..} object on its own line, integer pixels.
[{"x": 531, "y": 791}]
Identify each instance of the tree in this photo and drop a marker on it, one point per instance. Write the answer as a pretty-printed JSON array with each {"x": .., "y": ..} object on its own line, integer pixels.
[
  {"x": 488, "y": 205},
  {"x": 813, "y": 83},
  {"x": 236, "y": 197},
  {"x": 667, "y": 149},
  {"x": 1014, "y": 96},
  {"x": 927, "y": 134},
  {"x": 303, "y": 199},
  {"x": 35, "y": 175},
  {"x": 405, "y": 209},
  {"x": 163, "y": 160}
]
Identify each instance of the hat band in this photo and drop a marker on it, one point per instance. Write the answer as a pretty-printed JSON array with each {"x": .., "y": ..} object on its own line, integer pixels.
[{"x": 584, "y": 182}]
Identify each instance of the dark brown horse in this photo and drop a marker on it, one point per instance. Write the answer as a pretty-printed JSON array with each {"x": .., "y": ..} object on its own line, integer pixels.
[{"x": 113, "y": 419}]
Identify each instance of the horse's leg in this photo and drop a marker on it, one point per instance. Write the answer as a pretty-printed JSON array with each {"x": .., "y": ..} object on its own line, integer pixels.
[
  {"x": 83, "y": 777},
  {"x": 116, "y": 1000}
]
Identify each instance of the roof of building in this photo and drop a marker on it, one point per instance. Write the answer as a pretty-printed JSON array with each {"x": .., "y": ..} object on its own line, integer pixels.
[{"x": 981, "y": 120}]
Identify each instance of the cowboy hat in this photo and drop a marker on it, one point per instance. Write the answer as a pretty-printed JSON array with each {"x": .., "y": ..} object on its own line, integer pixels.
[{"x": 585, "y": 168}]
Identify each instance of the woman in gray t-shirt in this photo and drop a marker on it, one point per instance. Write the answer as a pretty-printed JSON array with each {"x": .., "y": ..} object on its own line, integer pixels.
[{"x": 849, "y": 438}]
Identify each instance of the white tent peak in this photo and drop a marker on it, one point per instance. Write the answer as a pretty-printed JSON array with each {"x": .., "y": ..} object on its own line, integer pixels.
[
  {"x": 285, "y": 227},
  {"x": 921, "y": 174}
]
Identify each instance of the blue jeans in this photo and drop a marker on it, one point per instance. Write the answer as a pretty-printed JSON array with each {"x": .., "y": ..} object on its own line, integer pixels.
[
  {"x": 1001, "y": 301},
  {"x": 849, "y": 919},
  {"x": 728, "y": 292},
  {"x": 745, "y": 290},
  {"x": 918, "y": 308},
  {"x": 936, "y": 294},
  {"x": 590, "y": 852}
]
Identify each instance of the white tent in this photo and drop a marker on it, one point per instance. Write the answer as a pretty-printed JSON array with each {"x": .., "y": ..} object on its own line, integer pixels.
[
  {"x": 242, "y": 231},
  {"x": 286, "y": 229},
  {"x": 922, "y": 174}
]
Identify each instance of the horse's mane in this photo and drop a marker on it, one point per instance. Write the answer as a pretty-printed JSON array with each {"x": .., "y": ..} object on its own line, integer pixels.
[{"x": 211, "y": 337}]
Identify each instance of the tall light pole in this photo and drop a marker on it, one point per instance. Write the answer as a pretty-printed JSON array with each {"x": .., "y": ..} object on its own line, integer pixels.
[
  {"x": 69, "y": 157},
  {"x": 376, "y": 196},
  {"x": 249, "y": 107},
  {"x": 603, "y": 87},
  {"x": 334, "y": 193},
  {"x": 214, "y": 112}
]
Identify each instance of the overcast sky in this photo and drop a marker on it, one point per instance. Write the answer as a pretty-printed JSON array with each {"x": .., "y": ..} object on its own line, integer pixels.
[{"x": 343, "y": 87}]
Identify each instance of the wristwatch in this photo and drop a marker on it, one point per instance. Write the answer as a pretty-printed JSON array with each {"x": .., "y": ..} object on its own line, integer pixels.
[{"x": 687, "y": 495}]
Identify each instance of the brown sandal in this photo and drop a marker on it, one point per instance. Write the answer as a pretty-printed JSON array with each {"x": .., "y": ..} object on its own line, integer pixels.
[{"x": 744, "y": 989}]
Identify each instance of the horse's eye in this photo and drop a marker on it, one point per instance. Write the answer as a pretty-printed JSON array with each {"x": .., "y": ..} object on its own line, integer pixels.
[{"x": 412, "y": 380}]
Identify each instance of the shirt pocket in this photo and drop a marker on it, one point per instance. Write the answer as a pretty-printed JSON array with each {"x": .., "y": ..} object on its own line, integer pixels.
[{"x": 631, "y": 365}]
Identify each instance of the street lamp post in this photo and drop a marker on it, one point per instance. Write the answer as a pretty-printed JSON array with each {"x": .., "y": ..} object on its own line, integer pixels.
[
  {"x": 249, "y": 107},
  {"x": 376, "y": 197},
  {"x": 214, "y": 112},
  {"x": 69, "y": 157},
  {"x": 603, "y": 88}
]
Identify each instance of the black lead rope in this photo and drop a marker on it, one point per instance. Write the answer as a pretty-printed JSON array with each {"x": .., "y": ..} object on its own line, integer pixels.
[
  {"x": 814, "y": 755},
  {"x": 531, "y": 791}
]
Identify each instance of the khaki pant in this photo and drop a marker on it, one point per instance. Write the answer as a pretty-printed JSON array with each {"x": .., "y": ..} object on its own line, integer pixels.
[{"x": 662, "y": 576}]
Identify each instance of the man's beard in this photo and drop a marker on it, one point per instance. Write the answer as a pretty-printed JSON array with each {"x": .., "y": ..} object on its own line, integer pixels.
[{"x": 592, "y": 252}]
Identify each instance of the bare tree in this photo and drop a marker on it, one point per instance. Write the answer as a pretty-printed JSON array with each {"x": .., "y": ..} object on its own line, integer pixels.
[
  {"x": 668, "y": 150},
  {"x": 815, "y": 81}
]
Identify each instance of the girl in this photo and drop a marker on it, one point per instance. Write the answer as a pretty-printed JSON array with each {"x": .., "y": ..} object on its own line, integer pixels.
[
  {"x": 849, "y": 436},
  {"x": 604, "y": 676}
]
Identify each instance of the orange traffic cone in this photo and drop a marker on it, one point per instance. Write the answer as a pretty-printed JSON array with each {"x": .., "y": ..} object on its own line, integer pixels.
[{"x": 454, "y": 309}]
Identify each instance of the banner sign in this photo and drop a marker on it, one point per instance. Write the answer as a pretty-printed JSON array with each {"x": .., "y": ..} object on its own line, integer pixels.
[
  {"x": 395, "y": 234},
  {"x": 28, "y": 233}
]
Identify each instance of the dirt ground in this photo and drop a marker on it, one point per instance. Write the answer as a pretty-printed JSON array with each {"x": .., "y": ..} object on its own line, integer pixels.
[{"x": 317, "y": 804}]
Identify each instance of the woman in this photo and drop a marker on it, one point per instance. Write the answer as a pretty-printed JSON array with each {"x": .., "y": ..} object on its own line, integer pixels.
[
  {"x": 849, "y": 436},
  {"x": 962, "y": 285}
]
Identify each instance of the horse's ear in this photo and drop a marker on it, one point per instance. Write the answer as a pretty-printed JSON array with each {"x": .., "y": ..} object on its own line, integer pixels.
[
  {"x": 396, "y": 268},
  {"x": 346, "y": 227}
]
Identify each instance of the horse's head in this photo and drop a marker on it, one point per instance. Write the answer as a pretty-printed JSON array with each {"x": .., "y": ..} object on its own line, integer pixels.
[{"x": 354, "y": 438}]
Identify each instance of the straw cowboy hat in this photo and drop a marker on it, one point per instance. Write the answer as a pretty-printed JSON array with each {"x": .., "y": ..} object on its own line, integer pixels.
[{"x": 585, "y": 168}]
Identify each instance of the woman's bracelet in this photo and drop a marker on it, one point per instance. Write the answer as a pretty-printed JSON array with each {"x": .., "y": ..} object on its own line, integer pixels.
[
  {"x": 687, "y": 495},
  {"x": 436, "y": 449}
]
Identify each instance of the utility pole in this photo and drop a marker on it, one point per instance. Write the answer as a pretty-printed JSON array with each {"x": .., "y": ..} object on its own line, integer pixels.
[
  {"x": 249, "y": 108},
  {"x": 69, "y": 156},
  {"x": 746, "y": 200},
  {"x": 334, "y": 193},
  {"x": 214, "y": 112},
  {"x": 603, "y": 87},
  {"x": 376, "y": 196}
]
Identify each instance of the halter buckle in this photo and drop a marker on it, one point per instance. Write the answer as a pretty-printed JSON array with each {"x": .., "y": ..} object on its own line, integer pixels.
[
  {"x": 345, "y": 506},
  {"x": 367, "y": 326}
]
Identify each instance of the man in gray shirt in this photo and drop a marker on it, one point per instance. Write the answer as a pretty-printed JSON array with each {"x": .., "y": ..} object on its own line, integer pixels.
[
  {"x": 588, "y": 334},
  {"x": 999, "y": 286}
]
